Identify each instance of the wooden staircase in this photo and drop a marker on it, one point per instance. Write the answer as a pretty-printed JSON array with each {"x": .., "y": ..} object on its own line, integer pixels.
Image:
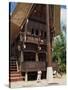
[{"x": 13, "y": 74}]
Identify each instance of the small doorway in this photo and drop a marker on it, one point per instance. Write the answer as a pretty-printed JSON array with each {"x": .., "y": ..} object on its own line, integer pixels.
[{"x": 32, "y": 76}]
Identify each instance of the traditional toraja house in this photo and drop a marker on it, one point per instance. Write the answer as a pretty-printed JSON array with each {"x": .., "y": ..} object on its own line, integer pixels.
[{"x": 32, "y": 29}]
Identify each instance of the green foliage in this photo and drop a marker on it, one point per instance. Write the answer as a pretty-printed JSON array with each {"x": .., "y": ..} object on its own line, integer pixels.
[{"x": 59, "y": 52}]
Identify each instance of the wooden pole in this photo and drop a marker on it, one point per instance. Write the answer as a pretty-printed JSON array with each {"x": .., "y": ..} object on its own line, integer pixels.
[
  {"x": 49, "y": 58},
  {"x": 48, "y": 38}
]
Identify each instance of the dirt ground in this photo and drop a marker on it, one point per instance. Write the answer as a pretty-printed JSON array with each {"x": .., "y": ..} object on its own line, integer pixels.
[{"x": 43, "y": 82}]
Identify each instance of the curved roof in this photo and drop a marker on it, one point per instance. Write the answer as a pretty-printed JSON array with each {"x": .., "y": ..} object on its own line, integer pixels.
[
  {"x": 18, "y": 17},
  {"x": 22, "y": 12}
]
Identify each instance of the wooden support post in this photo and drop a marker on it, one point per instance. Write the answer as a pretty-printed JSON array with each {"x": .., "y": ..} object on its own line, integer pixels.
[
  {"x": 21, "y": 52},
  {"x": 36, "y": 56},
  {"x": 25, "y": 30},
  {"x": 49, "y": 58},
  {"x": 22, "y": 57},
  {"x": 21, "y": 37},
  {"x": 26, "y": 76}
]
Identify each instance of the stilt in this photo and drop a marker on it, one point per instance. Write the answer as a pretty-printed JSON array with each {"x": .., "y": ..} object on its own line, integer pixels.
[
  {"x": 22, "y": 58},
  {"x": 39, "y": 76},
  {"x": 17, "y": 66},
  {"x": 26, "y": 76},
  {"x": 36, "y": 56}
]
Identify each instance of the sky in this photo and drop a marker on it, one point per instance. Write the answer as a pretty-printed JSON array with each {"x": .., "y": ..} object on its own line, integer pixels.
[
  {"x": 12, "y": 6},
  {"x": 63, "y": 15}
]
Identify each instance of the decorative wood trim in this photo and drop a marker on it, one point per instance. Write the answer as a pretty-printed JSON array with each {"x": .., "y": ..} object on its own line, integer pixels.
[{"x": 39, "y": 21}]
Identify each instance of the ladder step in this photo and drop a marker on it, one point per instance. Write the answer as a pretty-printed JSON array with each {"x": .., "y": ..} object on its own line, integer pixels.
[
  {"x": 15, "y": 75},
  {"x": 16, "y": 79}
]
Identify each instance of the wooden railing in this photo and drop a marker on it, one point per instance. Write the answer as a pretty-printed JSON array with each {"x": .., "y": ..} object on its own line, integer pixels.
[{"x": 34, "y": 39}]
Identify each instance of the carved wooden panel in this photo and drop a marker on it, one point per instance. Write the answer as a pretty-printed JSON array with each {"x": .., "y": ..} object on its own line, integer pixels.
[{"x": 33, "y": 66}]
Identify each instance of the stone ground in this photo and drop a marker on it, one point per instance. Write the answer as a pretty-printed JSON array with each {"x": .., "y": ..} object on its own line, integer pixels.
[{"x": 56, "y": 81}]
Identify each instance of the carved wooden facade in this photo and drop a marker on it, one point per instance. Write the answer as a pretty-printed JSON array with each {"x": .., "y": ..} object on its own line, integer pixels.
[{"x": 31, "y": 30}]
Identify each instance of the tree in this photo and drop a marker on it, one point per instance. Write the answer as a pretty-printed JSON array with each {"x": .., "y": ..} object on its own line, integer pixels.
[{"x": 59, "y": 52}]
